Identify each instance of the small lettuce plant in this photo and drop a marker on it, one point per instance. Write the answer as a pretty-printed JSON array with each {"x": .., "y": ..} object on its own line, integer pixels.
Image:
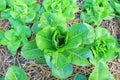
[
  {"x": 64, "y": 8},
  {"x": 27, "y": 11},
  {"x": 62, "y": 46},
  {"x": 95, "y": 11},
  {"x": 104, "y": 49}
]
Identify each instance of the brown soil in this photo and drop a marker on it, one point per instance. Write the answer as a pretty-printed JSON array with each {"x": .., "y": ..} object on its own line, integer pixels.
[{"x": 42, "y": 72}]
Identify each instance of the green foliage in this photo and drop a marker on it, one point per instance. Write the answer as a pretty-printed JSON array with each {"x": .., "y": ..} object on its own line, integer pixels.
[
  {"x": 51, "y": 19},
  {"x": 26, "y": 11},
  {"x": 2, "y": 78},
  {"x": 104, "y": 46},
  {"x": 1, "y": 35},
  {"x": 80, "y": 77},
  {"x": 15, "y": 73},
  {"x": 2, "y": 4},
  {"x": 56, "y": 44},
  {"x": 116, "y": 5},
  {"x": 40, "y": 60},
  {"x": 13, "y": 38},
  {"x": 95, "y": 11},
  {"x": 12, "y": 41},
  {"x": 64, "y": 8},
  {"x": 86, "y": 31},
  {"x": 61, "y": 73},
  {"x": 101, "y": 72},
  {"x": 30, "y": 50},
  {"x": 63, "y": 45}
]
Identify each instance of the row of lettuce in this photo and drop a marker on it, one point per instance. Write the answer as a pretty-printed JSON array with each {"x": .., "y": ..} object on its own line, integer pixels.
[{"x": 61, "y": 46}]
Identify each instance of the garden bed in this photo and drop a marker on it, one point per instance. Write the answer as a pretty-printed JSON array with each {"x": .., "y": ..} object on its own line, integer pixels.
[{"x": 41, "y": 71}]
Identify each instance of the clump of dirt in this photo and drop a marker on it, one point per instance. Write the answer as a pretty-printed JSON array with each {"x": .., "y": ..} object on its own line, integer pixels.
[{"x": 4, "y": 25}]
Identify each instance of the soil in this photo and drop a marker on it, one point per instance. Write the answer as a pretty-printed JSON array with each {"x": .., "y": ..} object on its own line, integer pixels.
[{"x": 41, "y": 71}]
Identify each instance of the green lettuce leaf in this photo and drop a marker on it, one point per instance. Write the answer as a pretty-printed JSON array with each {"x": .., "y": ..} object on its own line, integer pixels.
[
  {"x": 30, "y": 50},
  {"x": 101, "y": 72},
  {"x": 80, "y": 77},
  {"x": 2, "y": 5},
  {"x": 50, "y": 19},
  {"x": 61, "y": 73},
  {"x": 15, "y": 73}
]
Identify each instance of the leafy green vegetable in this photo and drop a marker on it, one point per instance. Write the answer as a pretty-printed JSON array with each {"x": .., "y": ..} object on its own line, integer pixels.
[
  {"x": 63, "y": 8},
  {"x": 101, "y": 72},
  {"x": 26, "y": 11},
  {"x": 16, "y": 36},
  {"x": 1, "y": 35},
  {"x": 80, "y": 77},
  {"x": 94, "y": 11},
  {"x": 2, "y": 78},
  {"x": 79, "y": 56},
  {"x": 31, "y": 51},
  {"x": 51, "y": 19},
  {"x": 2, "y": 5},
  {"x": 105, "y": 46},
  {"x": 64, "y": 72},
  {"x": 61, "y": 44},
  {"x": 15, "y": 73},
  {"x": 86, "y": 31},
  {"x": 12, "y": 41},
  {"x": 116, "y": 5},
  {"x": 40, "y": 60},
  {"x": 34, "y": 28}
]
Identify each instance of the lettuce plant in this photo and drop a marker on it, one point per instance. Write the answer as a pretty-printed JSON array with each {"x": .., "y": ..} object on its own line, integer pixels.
[
  {"x": 62, "y": 47},
  {"x": 105, "y": 46},
  {"x": 26, "y": 11},
  {"x": 104, "y": 49},
  {"x": 15, "y": 37},
  {"x": 61, "y": 44},
  {"x": 64, "y": 8},
  {"x": 94, "y": 11}
]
